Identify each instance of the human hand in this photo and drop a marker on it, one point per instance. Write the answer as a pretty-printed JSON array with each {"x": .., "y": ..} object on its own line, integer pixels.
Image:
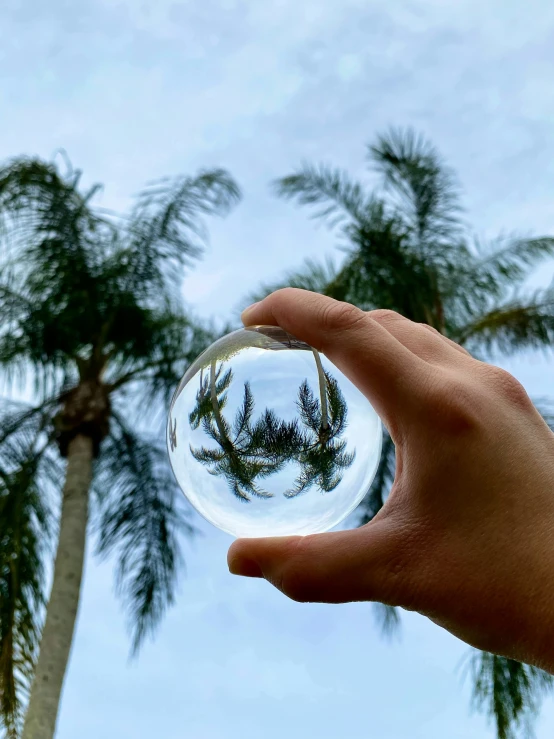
[{"x": 466, "y": 536}]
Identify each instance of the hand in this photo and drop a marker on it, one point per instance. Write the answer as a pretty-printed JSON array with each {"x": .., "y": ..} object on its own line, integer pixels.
[{"x": 466, "y": 536}]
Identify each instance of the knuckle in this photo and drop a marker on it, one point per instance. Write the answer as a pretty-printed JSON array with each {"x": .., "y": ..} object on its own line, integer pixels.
[
  {"x": 456, "y": 403},
  {"x": 459, "y": 347},
  {"x": 337, "y": 316},
  {"x": 281, "y": 298},
  {"x": 385, "y": 316},
  {"x": 508, "y": 387},
  {"x": 432, "y": 329},
  {"x": 283, "y": 293},
  {"x": 445, "y": 339},
  {"x": 433, "y": 332}
]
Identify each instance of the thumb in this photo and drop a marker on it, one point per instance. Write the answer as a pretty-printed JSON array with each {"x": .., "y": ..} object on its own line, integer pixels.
[{"x": 368, "y": 563}]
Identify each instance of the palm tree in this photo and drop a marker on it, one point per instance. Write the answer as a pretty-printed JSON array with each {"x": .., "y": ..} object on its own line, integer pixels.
[
  {"x": 247, "y": 451},
  {"x": 322, "y": 455},
  {"x": 90, "y": 310},
  {"x": 250, "y": 450},
  {"x": 407, "y": 249}
]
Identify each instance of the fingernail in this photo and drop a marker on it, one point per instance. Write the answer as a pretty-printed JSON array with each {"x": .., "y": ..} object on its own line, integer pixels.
[
  {"x": 246, "y": 311},
  {"x": 245, "y": 567}
]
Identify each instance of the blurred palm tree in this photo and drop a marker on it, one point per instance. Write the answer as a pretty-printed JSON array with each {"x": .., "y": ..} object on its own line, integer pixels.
[
  {"x": 407, "y": 249},
  {"x": 91, "y": 312}
]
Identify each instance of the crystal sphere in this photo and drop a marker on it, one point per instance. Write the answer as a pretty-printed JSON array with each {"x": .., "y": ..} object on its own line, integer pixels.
[{"x": 267, "y": 438}]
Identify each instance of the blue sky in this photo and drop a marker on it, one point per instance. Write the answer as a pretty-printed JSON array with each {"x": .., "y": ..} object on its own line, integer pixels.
[{"x": 134, "y": 90}]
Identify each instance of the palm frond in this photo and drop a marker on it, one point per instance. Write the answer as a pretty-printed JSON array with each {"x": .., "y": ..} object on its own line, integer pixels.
[
  {"x": 485, "y": 273},
  {"x": 139, "y": 519},
  {"x": 27, "y": 435},
  {"x": 384, "y": 270},
  {"x": 20, "y": 419},
  {"x": 25, "y": 542},
  {"x": 154, "y": 361},
  {"x": 510, "y": 259},
  {"x": 53, "y": 244},
  {"x": 336, "y": 197},
  {"x": 50, "y": 223},
  {"x": 12, "y": 303},
  {"x": 321, "y": 453},
  {"x": 527, "y": 323},
  {"x": 509, "y": 692},
  {"x": 426, "y": 189},
  {"x": 388, "y": 619},
  {"x": 243, "y": 417},
  {"x": 167, "y": 224},
  {"x": 22, "y": 597}
]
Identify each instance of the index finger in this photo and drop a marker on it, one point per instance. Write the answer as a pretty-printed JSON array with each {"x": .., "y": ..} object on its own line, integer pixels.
[{"x": 382, "y": 368}]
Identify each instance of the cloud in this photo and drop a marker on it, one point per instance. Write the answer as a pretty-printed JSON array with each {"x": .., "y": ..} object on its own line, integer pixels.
[{"x": 134, "y": 90}]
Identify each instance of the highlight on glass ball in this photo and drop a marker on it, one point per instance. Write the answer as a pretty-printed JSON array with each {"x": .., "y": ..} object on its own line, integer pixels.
[{"x": 266, "y": 437}]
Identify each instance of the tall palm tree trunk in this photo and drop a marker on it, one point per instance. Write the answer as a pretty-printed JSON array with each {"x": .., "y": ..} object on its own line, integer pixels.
[
  {"x": 322, "y": 390},
  {"x": 55, "y": 646},
  {"x": 215, "y": 403}
]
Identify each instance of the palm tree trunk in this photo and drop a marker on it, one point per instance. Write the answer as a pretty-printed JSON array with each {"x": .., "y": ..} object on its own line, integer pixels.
[
  {"x": 322, "y": 390},
  {"x": 55, "y": 646},
  {"x": 215, "y": 403}
]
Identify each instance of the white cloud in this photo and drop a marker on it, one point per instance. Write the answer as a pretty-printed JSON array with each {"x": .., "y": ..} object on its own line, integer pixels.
[{"x": 135, "y": 90}]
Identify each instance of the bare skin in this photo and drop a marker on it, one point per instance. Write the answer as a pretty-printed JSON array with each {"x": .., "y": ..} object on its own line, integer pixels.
[{"x": 466, "y": 536}]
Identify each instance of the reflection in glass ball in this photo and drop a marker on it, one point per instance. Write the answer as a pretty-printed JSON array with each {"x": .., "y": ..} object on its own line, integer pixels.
[{"x": 267, "y": 438}]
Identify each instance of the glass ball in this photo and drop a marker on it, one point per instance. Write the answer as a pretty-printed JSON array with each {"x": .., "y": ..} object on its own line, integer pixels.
[{"x": 267, "y": 438}]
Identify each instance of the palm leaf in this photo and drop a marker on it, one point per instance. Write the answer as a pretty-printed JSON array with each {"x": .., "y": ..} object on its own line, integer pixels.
[
  {"x": 167, "y": 226},
  {"x": 388, "y": 619},
  {"x": 509, "y": 692},
  {"x": 139, "y": 519},
  {"x": 25, "y": 542},
  {"x": 510, "y": 259},
  {"x": 243, "y": 417},
  {"x": 154, "y": 360},
  {"x": 425, "y": 189},
  {"x": 527, "y": 323},
  {"x": 483, "y": 274},
  {"x": 53, "y": 243},
  {"x": 50, "y": 223},
  {"x": 337, "y": 198}
]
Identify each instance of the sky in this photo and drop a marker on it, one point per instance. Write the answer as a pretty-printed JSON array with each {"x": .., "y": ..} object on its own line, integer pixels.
[{"x": 135, "y": 90}]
